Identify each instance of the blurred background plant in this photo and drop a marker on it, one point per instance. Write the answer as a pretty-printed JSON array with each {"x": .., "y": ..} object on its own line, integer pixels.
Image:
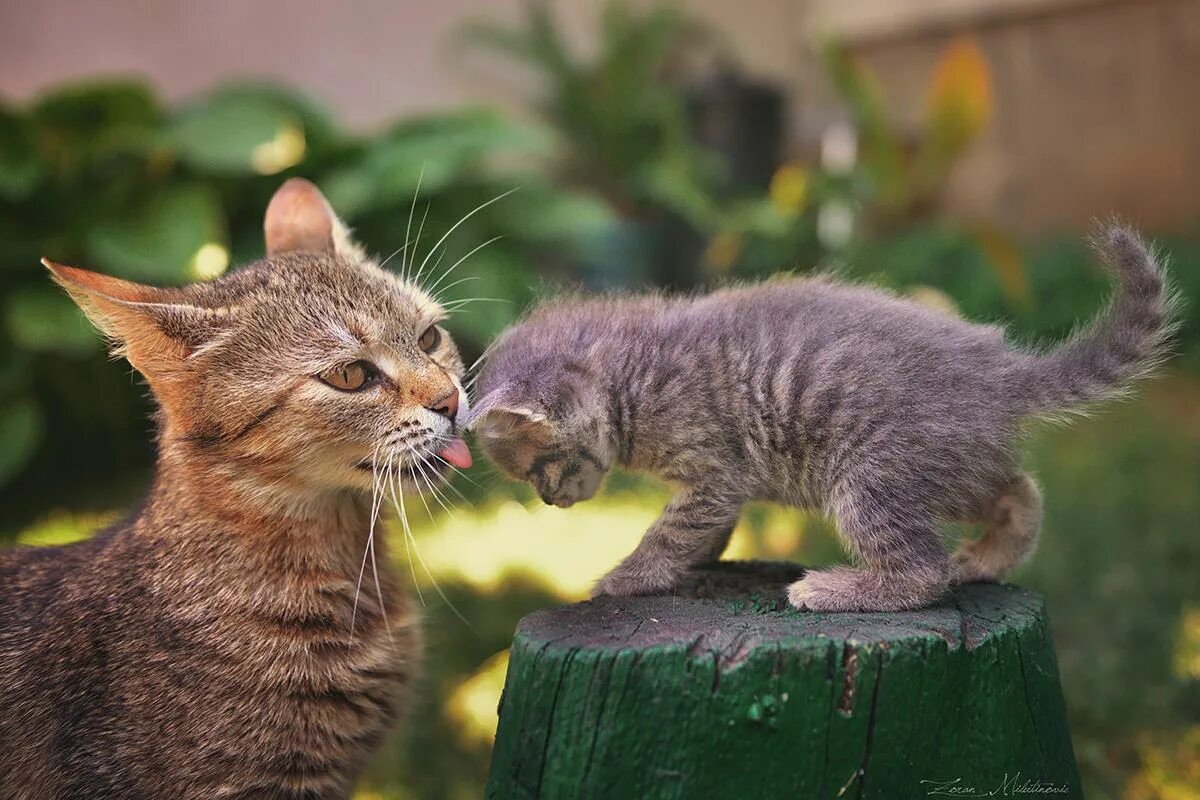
[{"x": 651, "y": 159}]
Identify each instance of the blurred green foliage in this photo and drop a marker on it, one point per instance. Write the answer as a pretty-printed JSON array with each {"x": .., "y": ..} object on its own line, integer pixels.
[
  {"x": 620, "y": 108},
  {"x": 872, "y": 178},
  {"x": 104, "y": 176}
]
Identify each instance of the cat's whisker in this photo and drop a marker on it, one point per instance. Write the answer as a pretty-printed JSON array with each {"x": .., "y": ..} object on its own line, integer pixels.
[
  {"x": 420, "y": 495},
  {"x": 409, "y": 278},
  {"x": 375, "y": 572},
  {"x": 378, "y": 588},
  {"x": 486, "y": 352},
  {"x": 404, "y": 264},
  {"x": 398, "y": 499},
  {"x": 420, "y": 465},
  {"x": 466, "y": 217},
  {"x": 394, "y": 253},
  {"x": 441, "y": 255},
  {"x": 456, "y": 304},
  {"x": 437, "y": 296},
  {"x": 436, "y": 496},
  {"x": 376, "y": 504},
  {"x": 456, "y": 470},
  {"x": 454, "y": 266},
  {"x": 398, "y": 503},
  {"x": 448, "y": 484}
]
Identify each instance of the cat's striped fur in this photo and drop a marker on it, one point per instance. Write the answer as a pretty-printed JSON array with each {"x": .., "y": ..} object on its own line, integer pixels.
[
  {"x": 204, "y": 649},
  {"x": 884, "y": 413}
]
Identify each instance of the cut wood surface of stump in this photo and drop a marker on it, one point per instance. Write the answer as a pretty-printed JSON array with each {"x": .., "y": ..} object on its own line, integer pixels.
[{"x": 723, "y": 691}]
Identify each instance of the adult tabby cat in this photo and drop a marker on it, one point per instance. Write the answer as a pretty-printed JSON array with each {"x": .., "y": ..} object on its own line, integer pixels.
[
  {"x": 885, "y": 414},
  {"x": 204, "y": 648}
]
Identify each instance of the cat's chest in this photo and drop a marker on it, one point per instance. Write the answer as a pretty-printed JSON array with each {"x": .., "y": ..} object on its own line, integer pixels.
[
  {"x": 339, "y": 668},
  {"x": 336, "y": 692},
  {"x": 288, "y": 694}
]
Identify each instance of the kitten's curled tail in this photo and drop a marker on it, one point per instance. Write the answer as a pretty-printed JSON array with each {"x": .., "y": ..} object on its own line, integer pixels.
[{"x": 1124, "y": 343}]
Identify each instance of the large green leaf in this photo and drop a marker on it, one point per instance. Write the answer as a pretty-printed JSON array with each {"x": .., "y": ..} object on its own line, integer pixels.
[
  {"x": 433, "y": 151},
  {"x": 42, "y": 318},
  {"x": 79, "y": 123},
  {"x": 542, "y": 213},
  {"x": 247, "y": 128},
  {"x": 239, "y": 132},
  {"x": 20, "y": 432},
  {"x": 158, "y": 242}
]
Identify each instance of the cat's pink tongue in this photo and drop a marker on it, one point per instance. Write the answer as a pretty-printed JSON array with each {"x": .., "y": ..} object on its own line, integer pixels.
[{"x": 457, "y": 453}]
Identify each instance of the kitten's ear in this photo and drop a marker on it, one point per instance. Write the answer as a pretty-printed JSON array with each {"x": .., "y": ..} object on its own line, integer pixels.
[
  {"x": 500, "y": 419},
  {"x": 300, "y": 220},
  {"x": 156, "y": 329}
]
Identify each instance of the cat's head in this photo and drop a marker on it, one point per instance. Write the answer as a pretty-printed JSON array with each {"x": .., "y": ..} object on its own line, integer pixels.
[
  {"x": 542, "y": 418},
  {"x": 297, "y": 373}
]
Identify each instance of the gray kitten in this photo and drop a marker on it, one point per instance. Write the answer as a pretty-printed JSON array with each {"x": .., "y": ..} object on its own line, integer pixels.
[{"x": 885, "y": 414}]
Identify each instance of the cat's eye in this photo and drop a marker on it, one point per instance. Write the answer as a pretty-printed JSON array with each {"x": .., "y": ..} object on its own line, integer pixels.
[
  {"x": 430, "y": 339},
  {"x": 350, "y": 377}
]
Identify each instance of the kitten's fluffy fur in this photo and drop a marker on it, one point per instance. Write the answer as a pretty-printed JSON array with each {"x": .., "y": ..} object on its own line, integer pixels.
[
  {"x": 203, "y": 649},
  {"x": 885, "y": 414}
]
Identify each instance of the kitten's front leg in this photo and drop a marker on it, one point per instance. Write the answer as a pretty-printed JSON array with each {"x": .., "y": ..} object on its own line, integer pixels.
[{"x": 692, "y": 529}]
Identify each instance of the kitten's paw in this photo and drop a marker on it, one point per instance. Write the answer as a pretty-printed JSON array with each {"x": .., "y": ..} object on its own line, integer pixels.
[
  {"x": 629, "y": 580},
  {"x": 968, "y": 566},
  {"x": 844, "y": 589},
  {"x": 820, "y": 591}
]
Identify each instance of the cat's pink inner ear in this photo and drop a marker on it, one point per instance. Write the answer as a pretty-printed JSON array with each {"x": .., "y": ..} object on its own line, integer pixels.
[
  {"x": 299, "y": 219},
  {"x": 95, "y": 285}
]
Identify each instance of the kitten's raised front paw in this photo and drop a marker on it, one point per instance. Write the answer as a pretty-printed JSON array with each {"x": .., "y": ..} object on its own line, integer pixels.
[
  {"x": 844, "y": 589},
  {"x": 629, "y": 580}
]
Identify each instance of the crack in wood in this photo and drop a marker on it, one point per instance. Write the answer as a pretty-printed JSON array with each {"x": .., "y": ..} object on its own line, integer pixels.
[
  {"x": 866, "y": 758},
  {"x": 849, "y": 679}
]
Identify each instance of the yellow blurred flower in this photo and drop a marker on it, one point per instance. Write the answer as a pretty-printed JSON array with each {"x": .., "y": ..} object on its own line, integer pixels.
[
  {"x": 960, "y": 98},
  {"x": 789, "y": 189}
]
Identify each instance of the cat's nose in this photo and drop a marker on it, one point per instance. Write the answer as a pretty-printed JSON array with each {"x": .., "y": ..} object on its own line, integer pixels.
[{"x": 446, "y": 406}]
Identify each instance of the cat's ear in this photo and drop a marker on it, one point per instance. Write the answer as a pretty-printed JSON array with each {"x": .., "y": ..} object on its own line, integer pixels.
[
  {"x": 300, "y": 220},
  {"x": 156, "y": 329}
]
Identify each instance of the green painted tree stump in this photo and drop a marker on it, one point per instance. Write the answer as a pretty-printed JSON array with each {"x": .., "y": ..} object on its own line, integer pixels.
[{"x": 723, "y": 691}]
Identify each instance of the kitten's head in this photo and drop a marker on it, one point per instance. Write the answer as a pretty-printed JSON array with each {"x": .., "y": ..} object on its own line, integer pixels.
[
  {"x": 542, "y": 418},
  {"x": 298, "y": 372}
]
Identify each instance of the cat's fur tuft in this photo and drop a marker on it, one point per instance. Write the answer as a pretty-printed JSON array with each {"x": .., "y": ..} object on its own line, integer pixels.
[{"x": 886, "y": 414}]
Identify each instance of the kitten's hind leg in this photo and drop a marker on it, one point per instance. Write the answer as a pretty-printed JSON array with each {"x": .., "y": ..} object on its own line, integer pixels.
[
  {"x": 693, "y": 529},
  {"x": 1013, "y": 522},
  {"x": 904, "y": 565}
]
